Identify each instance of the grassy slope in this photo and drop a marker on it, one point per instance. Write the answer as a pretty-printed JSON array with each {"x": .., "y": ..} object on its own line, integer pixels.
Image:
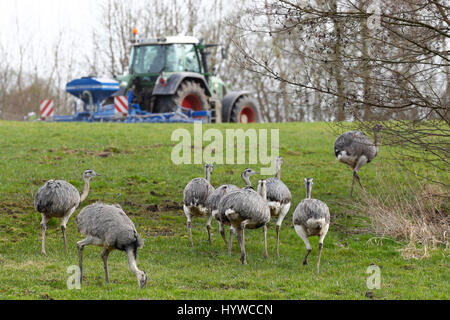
[{"x": 138, "y": 172}]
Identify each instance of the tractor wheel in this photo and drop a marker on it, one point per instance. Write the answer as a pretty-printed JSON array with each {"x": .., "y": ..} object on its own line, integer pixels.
[
  {"x": 190, "y": 95},
  {"x": 245, "y": 110}
]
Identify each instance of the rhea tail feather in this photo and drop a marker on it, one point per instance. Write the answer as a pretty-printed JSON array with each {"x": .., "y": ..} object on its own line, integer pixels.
[
  {"x": 138, "y": 243},
  {"x": 315, "y": 224}
]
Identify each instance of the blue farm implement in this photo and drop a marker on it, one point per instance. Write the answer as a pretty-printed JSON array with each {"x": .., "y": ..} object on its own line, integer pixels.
[{"x": 94, "y": 91}]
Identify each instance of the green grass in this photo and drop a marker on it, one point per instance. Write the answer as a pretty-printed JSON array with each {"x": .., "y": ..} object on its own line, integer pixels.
[{"x": 134, "y": 161}]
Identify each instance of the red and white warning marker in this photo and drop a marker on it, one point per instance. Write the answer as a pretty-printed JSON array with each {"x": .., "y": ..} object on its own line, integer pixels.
[
  {"x": 46, "y": 108},
  {"x": 121, "y": 105}
]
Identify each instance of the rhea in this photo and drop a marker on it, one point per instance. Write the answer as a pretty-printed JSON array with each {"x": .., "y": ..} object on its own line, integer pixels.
[
  {"x": 109, "y": 227},
  {"x": 247, "y": 209},
  {"x": 355, "y": 149},
  {"x": 246, "y": 174},
  {"x": 59, "y": 198},
  {"x": 278, "y": 198},
  {"x": 212, "y": 203},
  {"x": 195, "y": 195},
  {"x": 311, "y": 218}
]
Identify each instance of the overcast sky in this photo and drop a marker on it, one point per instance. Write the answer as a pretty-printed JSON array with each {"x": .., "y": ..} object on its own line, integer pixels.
[
  {"x": 37, "y": 25},
  {"x": 45, "y": 17}
]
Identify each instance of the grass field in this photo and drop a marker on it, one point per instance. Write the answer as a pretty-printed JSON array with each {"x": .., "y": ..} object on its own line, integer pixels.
[{"x": 137, "y": 172}]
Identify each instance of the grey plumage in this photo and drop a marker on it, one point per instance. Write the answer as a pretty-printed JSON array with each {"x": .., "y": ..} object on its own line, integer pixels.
[
  {"x": 109, "y": 227},
  {"x": 355, "y": 149},
  {"x": 246, "y": 174},
  {"x": 277, "y": 191},
  {"x": 311, "y": 218},
  {"x": 308, "y": 212},
  {"x": 212, "y": 204},
  {"x": 56, "y": 197},
  {"x": 218, "y": 195},
  {"x": 248, "y": 205},
  {"x": 278, "y": 198},
  {"x": 246, "y": 208},
  {"x": 195, "y": 195},
  {"x": 59, "y": 198}
]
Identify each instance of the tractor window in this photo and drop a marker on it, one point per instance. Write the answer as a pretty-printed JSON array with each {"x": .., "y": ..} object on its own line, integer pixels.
[
  {"x": 175, "y": 57},
  {"x": 182, "y": 57},
  {"x": 148, "y": 59},
  {"x": 192, "y": 63}
]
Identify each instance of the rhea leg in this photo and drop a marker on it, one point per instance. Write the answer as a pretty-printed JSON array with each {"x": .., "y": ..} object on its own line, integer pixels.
[
  {"x": 241, "y": 235},
  {"x": 361, "y": 162},
  {"x": 265, "y": 241},
  {"x": 105, "y": 255},
  {"x": 43, "y": 230},
  {"x": 278, "y": 239},
  {"x": 63, "y": 226},
  {"x": 230, "y": 244},
  {"x": 283, "y": 213},
  {"x": 353, "y": 183},
  {"x": 80, "y": 245},
  {"x": 208, "y": 227},
  {"x": 189, "y": 226},
  {"x": 241, "y": 240},
  {"x": 302, "y": 234},
  {"x": 222, "y": 232},
  {"x": 359, "y": 181},
  {"x": 321, "y": 237}
]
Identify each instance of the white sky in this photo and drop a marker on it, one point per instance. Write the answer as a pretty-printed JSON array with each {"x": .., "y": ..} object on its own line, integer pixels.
[
  {"x": 37, "y": 25},
  {"x": 46, "y": 17}
]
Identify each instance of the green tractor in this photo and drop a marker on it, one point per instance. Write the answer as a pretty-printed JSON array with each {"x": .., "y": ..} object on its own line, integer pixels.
[{"x": 172, "y": 71}]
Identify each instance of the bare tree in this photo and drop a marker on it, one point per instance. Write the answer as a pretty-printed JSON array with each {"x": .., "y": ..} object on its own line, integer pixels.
[{"x": 393, "y": 69}]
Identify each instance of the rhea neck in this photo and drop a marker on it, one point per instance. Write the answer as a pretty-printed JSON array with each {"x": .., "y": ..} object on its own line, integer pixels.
[
  {"x": 133, "y": 267},
  {"x": 278, "y": 172},
  {"x": 262, "y": 190},
  {"x": 207, "y": 174},
  {"x": 375, "y": 137},
  {"x": 246, "y": 179},
  {"x": 85, "y": 189},
  {"x": 308, "y": 190}
]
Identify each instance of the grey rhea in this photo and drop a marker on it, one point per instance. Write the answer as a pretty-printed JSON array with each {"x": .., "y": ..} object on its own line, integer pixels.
[
  {"x": 246, "y": 174},
  {"x": 213, "y": 201},
  {"x": 247, "y": 209},
  {"x": 59, "y": 198},
  {"x": 108, "y": 226},
  {"x": 355, "y": 149},
  {"x": 195, "y": 195},
  {"x": 311, "y": 218},
  {"x": 278, "y": 198}
]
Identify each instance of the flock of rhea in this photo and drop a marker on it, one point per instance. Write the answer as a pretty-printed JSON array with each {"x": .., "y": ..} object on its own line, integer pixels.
[{"x": 108, "y": 226}]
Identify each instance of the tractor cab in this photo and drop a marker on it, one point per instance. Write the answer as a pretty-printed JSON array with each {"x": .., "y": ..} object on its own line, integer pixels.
[
  {"x": 165, "y": 73},
  {"x": 154, "y": 58},
  {"x": 168, "y": 81}
]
